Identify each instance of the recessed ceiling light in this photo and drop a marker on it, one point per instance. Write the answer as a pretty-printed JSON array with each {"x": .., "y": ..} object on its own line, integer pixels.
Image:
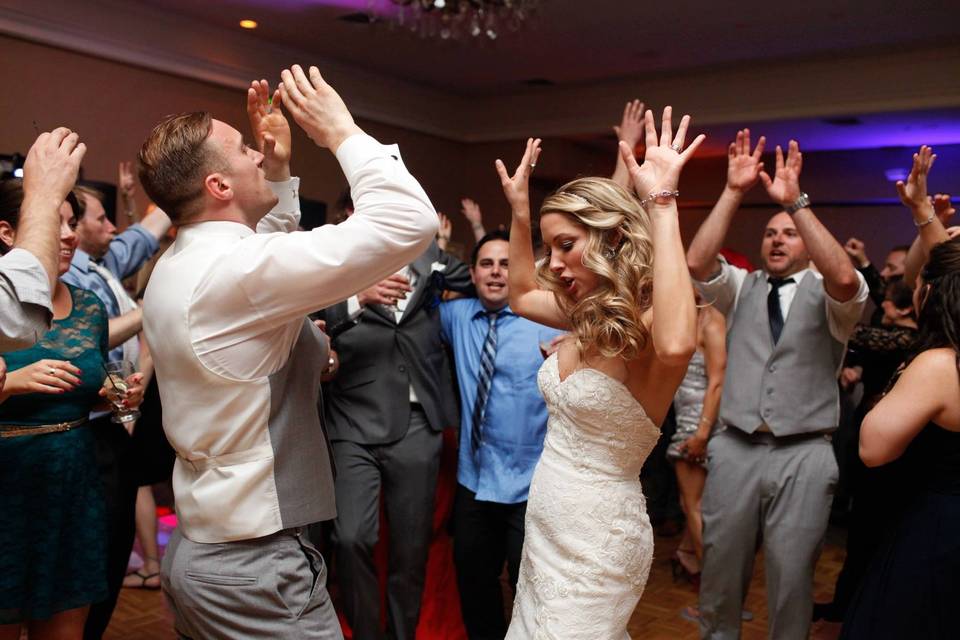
[{"x": 248, "y": 24}]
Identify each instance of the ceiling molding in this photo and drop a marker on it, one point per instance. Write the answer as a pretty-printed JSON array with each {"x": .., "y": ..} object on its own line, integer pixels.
[{"x": 140, "y": 35}]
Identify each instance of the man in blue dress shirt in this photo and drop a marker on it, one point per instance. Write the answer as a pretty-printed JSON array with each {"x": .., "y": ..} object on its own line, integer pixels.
[
  {"x": 503, "y": 421},
  {"x": 104, "y": 258}
]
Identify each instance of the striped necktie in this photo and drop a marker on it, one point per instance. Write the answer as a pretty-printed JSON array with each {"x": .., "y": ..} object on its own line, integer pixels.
[{"x": 487, "y": 356}]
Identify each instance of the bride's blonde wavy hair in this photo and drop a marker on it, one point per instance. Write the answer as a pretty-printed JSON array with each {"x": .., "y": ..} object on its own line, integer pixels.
[{"x": 619, "y": 251}]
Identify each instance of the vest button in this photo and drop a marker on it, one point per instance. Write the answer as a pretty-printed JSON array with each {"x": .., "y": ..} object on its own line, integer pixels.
[
  {"x": 401, "y": 368},
  {"x": 772, "y": 368},
  {"x": 769, "y": 391},
  {"x": 766, "y": 412}
]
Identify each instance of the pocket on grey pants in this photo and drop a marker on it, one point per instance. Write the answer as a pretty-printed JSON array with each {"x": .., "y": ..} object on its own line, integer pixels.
[
  {"x": 222, "y": 580},
  {"x": 301, "y": 577}
]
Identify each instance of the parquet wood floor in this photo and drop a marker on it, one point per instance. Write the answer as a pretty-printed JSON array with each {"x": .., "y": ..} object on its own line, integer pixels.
[{"x": 141, "y": 615}]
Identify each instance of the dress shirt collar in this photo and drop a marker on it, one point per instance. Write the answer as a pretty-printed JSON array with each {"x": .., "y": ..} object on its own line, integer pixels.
[
  {"x": 81, "y": 260},
  {"x": 483, "y": 311},
  {"x": 796, "y": 277},
  {"x": 215, "y": 227}
]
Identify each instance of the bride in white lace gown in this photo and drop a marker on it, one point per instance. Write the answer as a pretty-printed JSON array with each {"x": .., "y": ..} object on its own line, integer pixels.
[{"x": 616, "y": 278}]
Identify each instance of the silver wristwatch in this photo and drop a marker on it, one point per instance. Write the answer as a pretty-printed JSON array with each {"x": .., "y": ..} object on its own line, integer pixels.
[{"x": 799, "y": 203}]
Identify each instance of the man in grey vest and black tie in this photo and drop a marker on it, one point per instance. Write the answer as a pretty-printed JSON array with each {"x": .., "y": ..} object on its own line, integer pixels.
[{"x": 772, "y": 471}]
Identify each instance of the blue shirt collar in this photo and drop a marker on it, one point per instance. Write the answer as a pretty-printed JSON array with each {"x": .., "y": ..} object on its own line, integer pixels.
[
  {"x": 81, "y": 260},
  {"x": 480, "y": 310}
]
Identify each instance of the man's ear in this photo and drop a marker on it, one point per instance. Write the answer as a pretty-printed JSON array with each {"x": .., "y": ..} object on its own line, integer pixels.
[
  {"x": 218, "y": 187},
  {"x": 6, "y": 236}
]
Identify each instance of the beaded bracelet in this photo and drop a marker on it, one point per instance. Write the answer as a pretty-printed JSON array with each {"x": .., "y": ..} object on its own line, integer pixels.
[{"x": 659, "y": 194}]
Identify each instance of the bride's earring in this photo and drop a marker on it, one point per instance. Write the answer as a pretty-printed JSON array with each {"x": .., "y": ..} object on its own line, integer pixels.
[{"x": 609, "y": 253}]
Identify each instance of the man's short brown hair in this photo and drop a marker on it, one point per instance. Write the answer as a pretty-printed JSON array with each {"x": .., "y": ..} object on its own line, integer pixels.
[
  {"x": 173, "y": 162},
  {"x": 86, "y": 190}
]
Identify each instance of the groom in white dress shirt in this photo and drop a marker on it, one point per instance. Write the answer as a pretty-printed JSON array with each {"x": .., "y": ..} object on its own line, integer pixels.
[{"x": 236, "y": 358}]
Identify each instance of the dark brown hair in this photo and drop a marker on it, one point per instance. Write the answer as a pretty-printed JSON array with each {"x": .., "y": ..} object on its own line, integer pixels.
[
  {"x": 938, "y": 318},
  {"x": 11, "y": 199}
]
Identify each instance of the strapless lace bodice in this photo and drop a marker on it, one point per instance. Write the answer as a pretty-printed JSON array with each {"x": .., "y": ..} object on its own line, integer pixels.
[
  {"x": 596, "y": 425},
  {"x": 587, "y": 544}
]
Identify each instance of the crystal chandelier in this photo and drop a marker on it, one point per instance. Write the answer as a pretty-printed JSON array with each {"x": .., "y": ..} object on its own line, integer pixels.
[{"x": 461, "y": 19}]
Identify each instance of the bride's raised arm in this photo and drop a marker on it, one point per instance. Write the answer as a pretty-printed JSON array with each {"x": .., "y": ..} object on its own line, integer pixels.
[
  {"x": 674, "y": 324},
  {"x": 526, "y": 298}
]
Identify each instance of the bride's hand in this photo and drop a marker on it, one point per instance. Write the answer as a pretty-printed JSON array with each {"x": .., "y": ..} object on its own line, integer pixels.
[
  {"x": 664, "y": 159},
  {"x": 517, "y": 187}
]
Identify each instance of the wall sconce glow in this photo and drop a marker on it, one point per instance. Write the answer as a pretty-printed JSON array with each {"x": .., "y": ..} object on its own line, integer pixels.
[
  {"x": 248, "y": 24},
  {"x": 895, "y": 175}
]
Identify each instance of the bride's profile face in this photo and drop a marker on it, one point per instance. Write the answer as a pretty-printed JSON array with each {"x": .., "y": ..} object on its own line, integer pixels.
[{"x": 565, "y": 241}]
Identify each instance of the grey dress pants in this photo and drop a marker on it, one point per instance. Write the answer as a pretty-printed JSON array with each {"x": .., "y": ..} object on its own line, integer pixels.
[
  {"x": 780, "y": 489},
  {"x": 268, "y": 588}
]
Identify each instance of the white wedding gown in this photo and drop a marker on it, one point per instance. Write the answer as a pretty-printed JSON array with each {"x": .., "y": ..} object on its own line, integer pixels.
[{"x": 588, "y": 544}]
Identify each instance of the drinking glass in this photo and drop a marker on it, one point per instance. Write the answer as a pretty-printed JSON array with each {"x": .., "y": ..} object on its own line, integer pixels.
[{"x": 116, "y": 383}]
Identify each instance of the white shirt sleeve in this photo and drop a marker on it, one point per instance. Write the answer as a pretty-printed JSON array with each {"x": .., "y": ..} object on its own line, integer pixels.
[
  {"x": 842, "y": 317},
  {"x": 268, "y": 280},
  {"x": 25, "y": 306},
  {"x": 285, "y": 215},
  {"x": 723, "y": 289}
]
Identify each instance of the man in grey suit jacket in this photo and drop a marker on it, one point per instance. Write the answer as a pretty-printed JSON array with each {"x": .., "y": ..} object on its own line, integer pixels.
[
  {"x": 392, "y": 396},
  {"x": 772, "y": 471}
]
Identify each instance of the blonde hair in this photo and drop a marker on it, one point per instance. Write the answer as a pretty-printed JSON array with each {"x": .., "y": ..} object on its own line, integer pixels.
[{"x": 619, "y": 251}]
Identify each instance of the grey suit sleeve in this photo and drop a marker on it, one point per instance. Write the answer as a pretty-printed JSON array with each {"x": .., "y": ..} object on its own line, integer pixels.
[
  {"x": 456, "y": 276},
  {"x": 25, "y": 306},
  {"x": 338, "y": 319}
]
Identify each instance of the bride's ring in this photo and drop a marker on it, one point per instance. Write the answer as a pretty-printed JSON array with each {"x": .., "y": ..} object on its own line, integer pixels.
[
  {"x": 675, "y": 147},
  {"x": 533, "y": 165},
  {"x": 52, "y": 372}
]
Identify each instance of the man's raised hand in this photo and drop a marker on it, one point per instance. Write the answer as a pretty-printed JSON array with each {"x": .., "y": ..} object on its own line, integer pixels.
[
  {"x": 743, "y": 165},
  {"x": 857, "y": 252},
  {"x": 631, "y": 124},
  {"x": 51, "y": 167},
  {"x": 270, "y": 129},
  {"x": 784, "y": 188},
  {"x": 316, "y": 107}
]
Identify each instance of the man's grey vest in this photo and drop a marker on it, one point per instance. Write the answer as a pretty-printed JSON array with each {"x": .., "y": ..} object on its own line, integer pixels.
[{"x": 791, "y": 387}]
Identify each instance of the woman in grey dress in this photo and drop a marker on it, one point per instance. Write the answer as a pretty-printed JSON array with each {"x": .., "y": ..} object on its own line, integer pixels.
[{"x": 696, "y": 405}]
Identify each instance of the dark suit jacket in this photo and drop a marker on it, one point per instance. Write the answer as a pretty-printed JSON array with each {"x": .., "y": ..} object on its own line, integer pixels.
[{"x": 368, "y": 402}]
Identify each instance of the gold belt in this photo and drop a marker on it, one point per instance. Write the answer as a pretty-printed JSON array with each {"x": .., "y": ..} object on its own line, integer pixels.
[{"x": 14, "y": 430}]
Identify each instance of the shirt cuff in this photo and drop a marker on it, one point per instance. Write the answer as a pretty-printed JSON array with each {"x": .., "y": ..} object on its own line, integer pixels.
[
  {"x": 288, "y": 194},
  {"x": 354, "y": 308},
  {"x": 721, "y": 278},
  {"x": 28, "y": 277},
  {"x": 356, "y": 150}
]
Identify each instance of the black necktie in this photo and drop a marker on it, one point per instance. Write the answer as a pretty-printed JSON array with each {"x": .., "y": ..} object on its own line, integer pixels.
[{"x": 773, "y": 306}]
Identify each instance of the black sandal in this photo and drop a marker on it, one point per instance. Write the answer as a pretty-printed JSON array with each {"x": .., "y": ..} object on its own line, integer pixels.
[{"x": 143, "y": 580}]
